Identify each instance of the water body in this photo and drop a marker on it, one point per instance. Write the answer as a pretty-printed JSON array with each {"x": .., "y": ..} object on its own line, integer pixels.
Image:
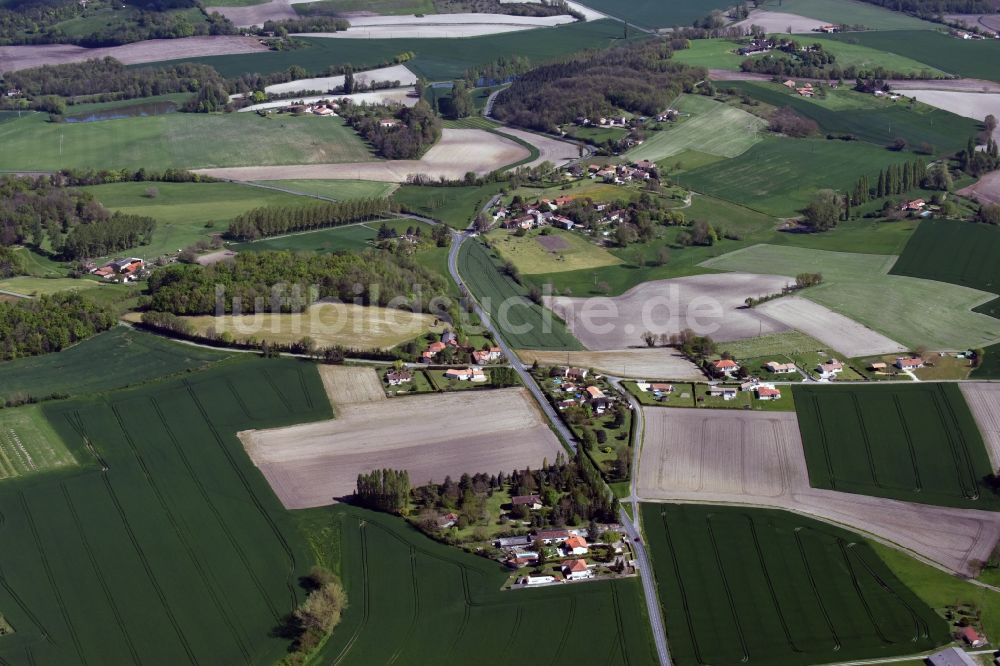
[{"x": 132, "y": 111}]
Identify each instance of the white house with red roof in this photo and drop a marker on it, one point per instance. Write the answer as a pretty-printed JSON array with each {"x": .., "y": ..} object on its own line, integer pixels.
[{"x": 576, "y": 570}]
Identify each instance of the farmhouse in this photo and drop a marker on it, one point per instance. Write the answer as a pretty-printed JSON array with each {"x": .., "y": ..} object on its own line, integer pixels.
[
  {"x": 915, "y": 205},
  {"x": 397, "y": 377},
  {"x": 531, "y": 501},
  {"x": 487, "y": 355},
  {"x": 466, "y": 374},
  {"x": 972, "y": 637},
  {"x": 830, "y": 368},
  {"x": 780, "y": 368},
  {"x": 909, "y": 363},
  {"x": 725, "y": 366},
  {"x": 950, "y": 657},
  {"x": 724, "y": 392},
  {"x": 768, "y": 393},
  {"x": 577, "y": 570},
  {"x": 575, "y": 545},
  {"x": 128, "y": 269}
]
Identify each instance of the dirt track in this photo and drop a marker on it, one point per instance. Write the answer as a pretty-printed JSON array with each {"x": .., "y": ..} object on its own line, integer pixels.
[
  {"x": 756, "y": 458},
  {"x": 244, "y": 17},
  {"x": 153, "y": 50},
  {"x": 708, "y": 304},
  {"x": 431, "y": 436},
  {"x": 984, "y": 403},
  {"x": 458, "y": 152},
  {"x": 638, "y": 363},
  {"x": 839, "y": 332}
]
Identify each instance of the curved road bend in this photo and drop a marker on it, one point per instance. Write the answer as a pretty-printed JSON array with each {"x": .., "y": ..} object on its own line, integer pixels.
[{"x": 642, "y": 557}]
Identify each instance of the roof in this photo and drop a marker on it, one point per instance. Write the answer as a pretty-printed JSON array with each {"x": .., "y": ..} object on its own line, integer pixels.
[
  {"x": 951, "y": 657},
  {"x": 769, "y": 392},
  {"x": 724, "y": 363},
  {"x": 595, "y": 392},
  {"x": 526, "y": 499},
  {"x": 969, "y": 634},
  {"x": 576, "y": 542},
  {"x": 662, "y": 387},
  {"x": 576, "y": 566},
  {"x": 905, "y": 361},
  {"x": 552, "y": 534},
  {"x": 436, "y": 347}
]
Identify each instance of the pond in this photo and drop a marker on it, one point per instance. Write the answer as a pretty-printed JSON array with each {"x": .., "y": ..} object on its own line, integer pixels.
[{"x": 131, "y": 111}]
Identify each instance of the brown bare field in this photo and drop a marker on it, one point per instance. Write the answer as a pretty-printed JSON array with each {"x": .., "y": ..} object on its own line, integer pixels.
[
  {"x": 244, "y": 17},
  {"x": 635, "y": 363},
  {"x": 756, "y": 458},
  {"x": 839, "y": 332},
  {"x": 988, "y": 21},
  {"x": 983, "y": 399},
  {"x": 215, "y": 257},
  {"x": 154, "y": 50},
  {"x": 959, "y": 85},
  {"x": 438, "y": 26},
  {"x": 708, "y": 304},
  {"x": 458, "y": 152},
  {"x": 394, "y": 73},
  {"x": 779, "y": 22},
  {"x": 986, "y": 190},
  {"x": 431, "y": 436},
  {"x": 552, "y": 243},
  {"x": 348, "y": 385},
  {"x": 552, "y": 150}
]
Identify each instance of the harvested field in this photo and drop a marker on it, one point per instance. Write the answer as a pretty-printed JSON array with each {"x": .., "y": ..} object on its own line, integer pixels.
[
  {"x": 395, "y": 73},
  {"x": 637, "y": 363},
  {"x": 780, "y": 22},
  {"x": 708, "y": 304},
  {"x": 957, "y": 85},
  {"x": 439, "y": 25},
  {"x": 386, "y": 96},
  {"x": 984, "y": 403},
  {"x": 975, "y": 105},
  {"x": 312, "y": 465},
  {"x": 556, "y": 151},
  {"x": 244, "y": 17},
  {"x": 757, "y": 458},
  {"x": 347, "y": 385},
  {"x": 986, "y": 190},
  {"x": 835, "y": 330},
  {"x": 458, "y": 152},
  {"x": 153, "y": 50}
]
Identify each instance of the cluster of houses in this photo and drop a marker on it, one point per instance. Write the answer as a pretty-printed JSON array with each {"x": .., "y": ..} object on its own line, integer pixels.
[
  {"x": 762, "y": 390},
  {"x": 805, "y": 90},
  {"x": 918, "y": 208},
  {"x": 120, "y": 270},
  {"x": 903, "y": 363},
  {"x": 963, "y": 34},
  {"x": 322, "y": 108},
  {"x": 544, "y": 213},
  {"x": 568, "y": 383},
  {"x": 623, "y": 173},
  {"x": 450, "y": 340}
]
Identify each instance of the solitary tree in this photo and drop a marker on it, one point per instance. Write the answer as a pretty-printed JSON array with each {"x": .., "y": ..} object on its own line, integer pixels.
[{"x": 823, "y": 211}]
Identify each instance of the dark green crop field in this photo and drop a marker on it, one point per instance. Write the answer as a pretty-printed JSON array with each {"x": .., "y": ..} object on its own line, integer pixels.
[
  {"x": 657, "y": 13},
  {"x": 165, "y": 545},
  {"x": 757, "y": 586},
  {"x": 944, "y": 131},
  {"x": 114, "y": 359},
  {"x": 911, "y": 442},
  {"x": 523, "y": 324},
  {"x": 956, "y": 252},
  {"x": 415, "y": 601},
  {"x": 977, "y": 59},
  {"x": 436, "y": 59}
]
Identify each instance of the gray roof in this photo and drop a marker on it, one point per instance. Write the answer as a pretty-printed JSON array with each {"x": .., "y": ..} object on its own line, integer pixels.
[
  {"x": 951, "y": 657},
  {"x": 507, "y": 542}
]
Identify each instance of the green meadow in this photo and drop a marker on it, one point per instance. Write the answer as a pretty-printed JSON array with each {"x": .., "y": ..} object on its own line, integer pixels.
[{"x": 977, "y": 59}]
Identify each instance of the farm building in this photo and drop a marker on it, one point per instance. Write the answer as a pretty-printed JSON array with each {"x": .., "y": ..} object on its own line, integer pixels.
[
  {"x": 466, "y": 374},
  {"x": 397, "y": 377},
  {"x": 530, "y": 501},
  {"x": 972, "y": 637},
  {"x": 877, "y": 366},
  {"x": 126, "y": 269},
  {"x": 577, "y": 570},
  {"x": 780, "y": 368},
  {"x": 537, "y": 580},
  {"x": 513, "y": 542},
  {"x": 724, "y": 392},
  {"x": 950, "y": 657},
  {"x": 915, "y": 205},
  {"x": 909, "y": 363},
  {"x": 576, "y": 545}
]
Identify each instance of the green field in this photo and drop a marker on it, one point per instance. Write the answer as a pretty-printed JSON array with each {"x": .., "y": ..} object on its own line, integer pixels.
[
  {"x": 167, "y": 546},
  {"x": 35, "y": 286},
  {"x": 188, "y": 212},
  {"x": 912, "y": 311},
  {"x": 758, "y": 586},
  {"x": 778, "y": 176},
  {"x": 990, "y": 366},
  {"x": 788, "y": 343},
  {"x": 28, "y": 444},
  {"x": 711, "y": 127},
  {"x": 336, "y": 189},
  {"x": 849, "y": 12},
  {"x": 917, "y": 443},
  {"x": 436, "y": 59},
  {"x": 523, "y": 324},
  {"x": 576, "y": 252},
  {"x": 346, "y": 239},
  {"x": 114, "y": 359},
  {"x": 978, "y": 59},
  {"x": 955, "y": 252},
  {"x": 416, "y": 601},
  {"x": 177, "y": 140},
  {"x": 455, "y": 206},
  {"x": 656, "y": 13},
  {"x": 877, "y": 121}
]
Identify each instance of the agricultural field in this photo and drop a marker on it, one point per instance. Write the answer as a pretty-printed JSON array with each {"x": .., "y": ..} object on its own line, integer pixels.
[
  {"x": 188, "y": 212},
  {"x": 708, "y": 126},
  {"x": 917, "y": 443},
  {"x": 989, "y": 368},
  {"x": 334, "y": 239},
  {"x": 778, "y": 176},
  {"x": 166, "y": 545},
  {"x": 413, "y": 600},
  {"x": 655, "y": 14},
  {"x": 551, "y": 252},
  {"x": 315, "y": 464},
  {"x": 834, "y": 330},
  {"x": 983, "y": 400},
  {"x": 386, "y": 7},
  {"x": 111, "y": 360},
  {"x": 733, "y": 456},
  {"x": 977, "y": 59},
  {"x": 955, "y": 252},
  {"x": 523, "y": 323},
  {"x": 876, "y": 121},
  {"x": 850, "y": 12},
  {"x": 436, "y": 59},
  {"x": 788, "y": 342},
  {"x": 177, "y": 140},
  {"x": 338, "y": 190},
  {"x": 912, "y": 311},
  {"x": 455, "y": 206},
  {"x": 759, "y": 586},
  {"x": 640, "y": 363},
  {"x": 708, "y": 304},
  {"x": 29, "y": 445},
  {"x": 34, "y": 286}
]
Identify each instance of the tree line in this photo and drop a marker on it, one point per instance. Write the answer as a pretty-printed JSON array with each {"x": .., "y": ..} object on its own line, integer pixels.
[
  {"x": 639, "y": 78},
  {"x": 277, "y": 220},
  {"x": 289, "y": 282},
  {"x": 385, "y": 490},
  {"x": 29, "y": 327},
  {"x": 977, "y": 162},
  {"x": 415, "y": 130},
  {"x": 897, "y": 179}
]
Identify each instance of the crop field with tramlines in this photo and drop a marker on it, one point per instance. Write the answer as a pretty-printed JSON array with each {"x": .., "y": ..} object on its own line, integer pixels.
[
  {"x": 416, "y": 601},
  {"x": 955, "y": 252},
  {"x": 917, "y": 443},
  {"x": 522, "y": 323},
  {"x": 165, "y": 546},
  {"x": 758, "y": 586}
]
